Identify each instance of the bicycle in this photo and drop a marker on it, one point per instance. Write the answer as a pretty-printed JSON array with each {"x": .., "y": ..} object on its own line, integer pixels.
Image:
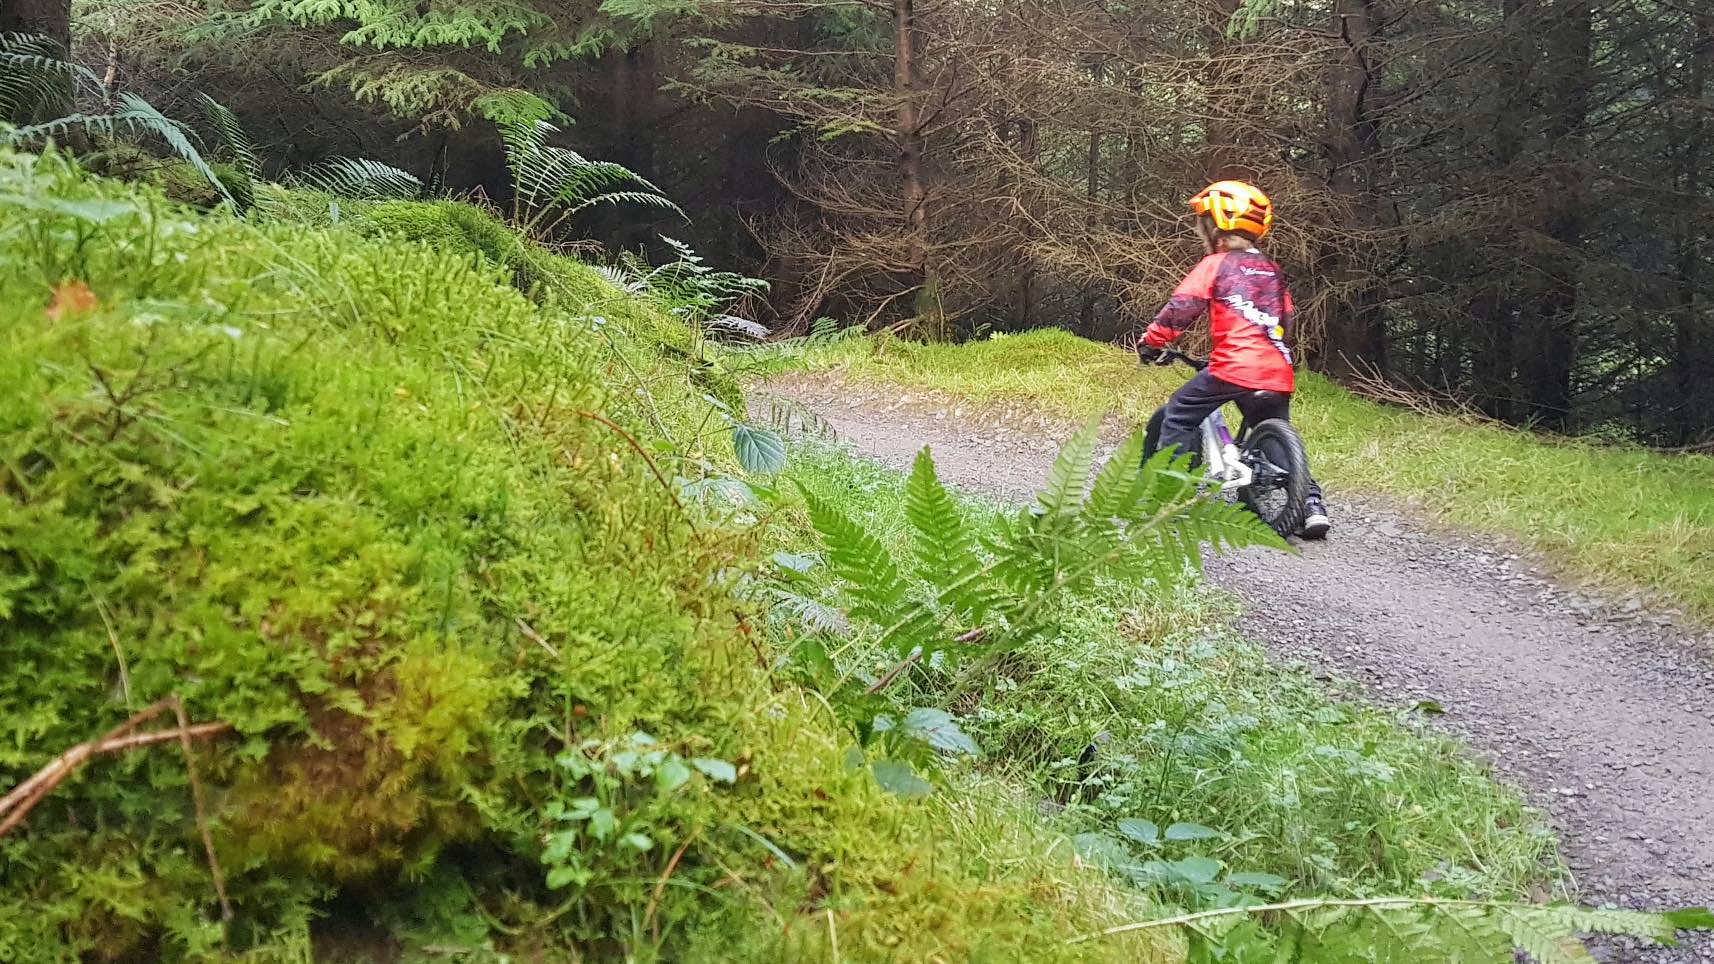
[{"x": 1264, "y": 465}]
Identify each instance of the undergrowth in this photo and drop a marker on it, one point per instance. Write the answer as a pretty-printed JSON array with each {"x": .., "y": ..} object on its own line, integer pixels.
[
  {"x": 1612, "y": 515},
  {"x": 1194, "y": 726}
]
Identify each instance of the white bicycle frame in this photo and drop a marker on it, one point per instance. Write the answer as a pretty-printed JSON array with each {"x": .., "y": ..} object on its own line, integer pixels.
[{"x": 1220, "y": 458}]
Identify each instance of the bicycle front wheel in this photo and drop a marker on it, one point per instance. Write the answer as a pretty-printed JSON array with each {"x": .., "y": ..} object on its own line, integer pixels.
[{"x": 1281, "y": 476}]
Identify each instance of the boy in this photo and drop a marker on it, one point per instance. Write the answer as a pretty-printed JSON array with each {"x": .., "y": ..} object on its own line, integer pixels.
[{"x": 1250, "y": 319}]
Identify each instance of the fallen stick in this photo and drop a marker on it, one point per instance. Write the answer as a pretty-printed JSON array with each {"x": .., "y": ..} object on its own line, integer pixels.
[{"x": 16, "y": 805}]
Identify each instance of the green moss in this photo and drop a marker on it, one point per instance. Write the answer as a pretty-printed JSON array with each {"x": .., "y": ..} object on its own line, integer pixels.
[{"x": 348, "y": 493}]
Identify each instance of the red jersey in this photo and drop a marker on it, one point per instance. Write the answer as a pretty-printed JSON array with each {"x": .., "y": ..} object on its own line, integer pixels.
[{"x": 1249, "y": 317}]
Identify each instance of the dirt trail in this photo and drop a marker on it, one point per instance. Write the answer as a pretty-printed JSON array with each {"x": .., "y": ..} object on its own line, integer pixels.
[{"x": 1604, "y": 713}]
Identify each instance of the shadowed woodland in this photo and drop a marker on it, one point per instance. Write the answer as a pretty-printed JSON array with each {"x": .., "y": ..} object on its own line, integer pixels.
[{"x": 1507, "y": 200}]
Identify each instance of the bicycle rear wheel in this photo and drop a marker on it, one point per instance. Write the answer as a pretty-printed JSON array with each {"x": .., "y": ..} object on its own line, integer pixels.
[{"x": 1275, "y": 455}]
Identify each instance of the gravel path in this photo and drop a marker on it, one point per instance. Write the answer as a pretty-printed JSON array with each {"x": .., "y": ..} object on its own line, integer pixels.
[{"x": 1602, "y": 711}]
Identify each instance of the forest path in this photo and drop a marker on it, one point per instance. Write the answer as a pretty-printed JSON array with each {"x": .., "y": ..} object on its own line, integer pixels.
[{"x": 1603, "y": 714}]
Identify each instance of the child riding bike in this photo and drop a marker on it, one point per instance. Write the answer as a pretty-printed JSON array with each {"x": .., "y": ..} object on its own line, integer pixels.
[{"x": 1250, "y": 320}]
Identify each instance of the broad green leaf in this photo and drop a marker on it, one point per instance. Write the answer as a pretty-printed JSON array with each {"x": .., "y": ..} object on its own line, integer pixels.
[
  {"x": 602, "y": 823},
  {"x": 1197, "y": 870},
  {"x": 672, "y": 775},
  {"x": 938, "y": 729},
  {"x": 718, "y": 770},
  {"x": 636, "y": 841},
  {"x": 1142, "y": 831},
  {"x": 1102, "y": 849},
  {"x": 900, "y": 780},
  {"x": 91, "y": 210},
  {"x": 1192, "y": 831},
  {"x": 759, "y": 450},
  {"x": 1267, "y": 882},
  {"x": 559, "y": 847},
  {"x": 561, "y": 876}
]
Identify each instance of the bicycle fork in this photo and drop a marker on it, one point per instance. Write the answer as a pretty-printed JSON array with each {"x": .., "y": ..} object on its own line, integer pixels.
[{"x": 1220, "y": 455}]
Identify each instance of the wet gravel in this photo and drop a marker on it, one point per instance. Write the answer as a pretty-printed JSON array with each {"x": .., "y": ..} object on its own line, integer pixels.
[{"x": 1601, "y": 709}]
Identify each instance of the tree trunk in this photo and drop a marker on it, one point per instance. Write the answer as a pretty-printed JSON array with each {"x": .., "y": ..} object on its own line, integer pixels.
[
  {"x": 1356, "y": 334},
  {"x": 1092, "y": 190},
  {"x": 1226, "y": 83},
  {"x": 634, "y": 90},
  {"x": 1029, "y": 148},
  {"x": 48, "y": 18},
  {"x": 913, "y": 188},
  {"x": 1494, "y": 312},
  {"x": 1692, "y": 358},
  {"x": 1570, "y": 41}
]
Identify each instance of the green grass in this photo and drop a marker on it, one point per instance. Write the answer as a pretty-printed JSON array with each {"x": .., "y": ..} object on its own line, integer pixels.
[{"x": 1614, "y": 516}]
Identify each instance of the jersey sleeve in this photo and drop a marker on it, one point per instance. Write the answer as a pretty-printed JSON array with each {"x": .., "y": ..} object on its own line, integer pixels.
[{"x": 1189, "y": 301}]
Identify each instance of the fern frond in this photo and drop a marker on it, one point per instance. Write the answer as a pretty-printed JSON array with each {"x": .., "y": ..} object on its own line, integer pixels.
[
  {"x": 545, "y": 175},
  {"x": 812, "y": 614},
  {"x": 1386, "y": 929},
  {"x": 1167, "y": 479},
  {"x": 35, "y": 77},
  {"x": 946, "y": 555},
  {"x": 135, "y": 117},
  {"x": 234, "y": 139},
  {"x": 857, "y": 557},
  {"x": 143, "y": 117},
  {"x": 235, "y": 142},
  {"x": 1118, "y": 488},
  {"x": 742, "y": 326},
  {"x": 361, "y": 179},
  {"x": 629, "y": 197},
  {"x": 1069, "y": 477}
]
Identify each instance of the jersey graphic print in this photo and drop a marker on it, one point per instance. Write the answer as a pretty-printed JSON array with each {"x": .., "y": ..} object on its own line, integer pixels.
[
  {"x": 1249, "y": 317},
  {"x": 1261, "y": 319}
]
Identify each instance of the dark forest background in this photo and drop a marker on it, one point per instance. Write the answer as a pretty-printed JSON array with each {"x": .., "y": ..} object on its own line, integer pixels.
[{"x": 1504, "y": 201}]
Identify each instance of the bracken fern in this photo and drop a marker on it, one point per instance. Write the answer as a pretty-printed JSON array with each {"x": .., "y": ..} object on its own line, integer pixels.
[
  {"x": 1141, "y": 520},
  {"x": 1397, "y": 929}
]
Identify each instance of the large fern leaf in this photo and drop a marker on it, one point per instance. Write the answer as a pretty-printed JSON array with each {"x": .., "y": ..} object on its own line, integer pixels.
[
  {"x": 946, "y": 554},
  {"x": 1118, "y": 488},
  {"x": 35, "y": 77},
  {"x": 143, "y": 117},
  {"x": 856, "y": 556},
  {"x": 236, "y": 143},
  {"x": 1404, "y": 930},
  {"x": 1069, "y": 477},
  {"x": 361, "y": 179},
  {"x": 544, "y": 175}
]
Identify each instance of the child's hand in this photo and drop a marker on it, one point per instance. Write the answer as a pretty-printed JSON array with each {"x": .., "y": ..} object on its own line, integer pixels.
[{"x": 1150, "y": 355}]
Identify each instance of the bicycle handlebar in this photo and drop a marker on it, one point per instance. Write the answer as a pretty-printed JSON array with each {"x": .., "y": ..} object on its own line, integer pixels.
[{"x": 1170, "y": 355}]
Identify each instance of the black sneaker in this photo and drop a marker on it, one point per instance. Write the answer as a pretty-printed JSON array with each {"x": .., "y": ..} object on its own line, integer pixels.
[{"x": 1315, "y": 521}]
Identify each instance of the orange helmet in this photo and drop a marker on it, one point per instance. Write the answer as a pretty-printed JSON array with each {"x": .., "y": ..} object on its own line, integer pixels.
[{"x": 1235, "y": 206}]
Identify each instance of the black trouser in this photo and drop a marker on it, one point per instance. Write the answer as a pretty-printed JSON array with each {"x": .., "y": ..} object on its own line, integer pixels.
[{"x": 1178, "y": 422}]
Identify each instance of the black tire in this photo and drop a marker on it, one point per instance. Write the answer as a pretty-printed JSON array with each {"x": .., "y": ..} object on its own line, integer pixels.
[{"x": 1280, "y": 504}]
